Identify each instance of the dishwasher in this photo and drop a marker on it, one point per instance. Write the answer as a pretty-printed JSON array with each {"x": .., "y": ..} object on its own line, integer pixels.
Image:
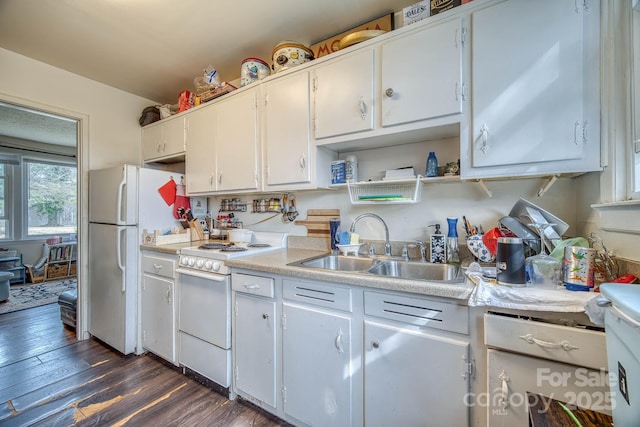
[{"x": 622, "y": 325}]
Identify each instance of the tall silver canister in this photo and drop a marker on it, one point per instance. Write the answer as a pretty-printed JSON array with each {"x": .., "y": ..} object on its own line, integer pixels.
[{"x": 510, "y": 262}]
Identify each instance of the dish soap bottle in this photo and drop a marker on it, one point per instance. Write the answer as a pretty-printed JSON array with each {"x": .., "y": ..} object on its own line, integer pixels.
[
  {"x": 453, "y": 253},
  {"x": 432, "y": 165},
  {"x": 437, "y": 246}
]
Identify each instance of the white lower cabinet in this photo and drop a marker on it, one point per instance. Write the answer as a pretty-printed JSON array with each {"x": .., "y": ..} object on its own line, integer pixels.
[
  {"x": 413, "y": 375},
  {"x": 254, "y": 342},
  {"x": 159, "y": 329},
  {"x": 317, "y": 366}
]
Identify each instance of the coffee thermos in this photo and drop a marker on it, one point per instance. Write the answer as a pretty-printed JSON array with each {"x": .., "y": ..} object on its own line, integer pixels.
[{"x": 510, "y": 262}]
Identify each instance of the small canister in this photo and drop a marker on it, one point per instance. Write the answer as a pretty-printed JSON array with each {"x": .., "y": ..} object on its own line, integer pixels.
[
  {"x": 510, "y": 262},
  {"x": 351, "y": 168},
  {"x": 578, "y": 268},
  {"x": 252, "y": 70},
  {"x": 288, "y": 54}
]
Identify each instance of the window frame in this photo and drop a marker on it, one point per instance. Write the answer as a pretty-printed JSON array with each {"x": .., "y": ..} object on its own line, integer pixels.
[
  {"x": 8, "y": 203},
  {"x": 51, "y": 160}
]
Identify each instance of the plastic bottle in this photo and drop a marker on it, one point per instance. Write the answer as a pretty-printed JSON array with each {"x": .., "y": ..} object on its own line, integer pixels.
[
  {"x": 453, "y": 253},
  {"x": 351, "y": 168},
  {"x": 432, "y": 165}
]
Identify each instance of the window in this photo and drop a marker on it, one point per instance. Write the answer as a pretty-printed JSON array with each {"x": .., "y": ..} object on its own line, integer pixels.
[
  {"x": 4, "y": 198},
  {"x": 51, "y": 198},
  {"x": 635, "y": 99}
]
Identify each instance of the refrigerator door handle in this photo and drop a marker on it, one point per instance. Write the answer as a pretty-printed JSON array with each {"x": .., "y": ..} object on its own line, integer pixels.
[
  {"x": 121, "y": 266},
  {"x": 120, "y": 213}
]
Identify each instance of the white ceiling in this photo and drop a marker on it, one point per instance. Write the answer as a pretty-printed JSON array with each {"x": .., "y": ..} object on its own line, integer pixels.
[{"x": 155, "y": 48}]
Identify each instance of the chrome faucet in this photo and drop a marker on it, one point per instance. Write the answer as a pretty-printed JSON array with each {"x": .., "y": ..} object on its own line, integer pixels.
[
  {"x": 387, "y": 245},
  {"x": 423, "y": 250}
]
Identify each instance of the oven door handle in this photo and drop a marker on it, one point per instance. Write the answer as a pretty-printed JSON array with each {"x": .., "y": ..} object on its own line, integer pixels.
[{"x": 208, "y": 276}]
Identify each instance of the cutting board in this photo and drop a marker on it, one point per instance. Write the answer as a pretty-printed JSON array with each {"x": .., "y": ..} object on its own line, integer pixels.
[{"x": 317, "y": 221}]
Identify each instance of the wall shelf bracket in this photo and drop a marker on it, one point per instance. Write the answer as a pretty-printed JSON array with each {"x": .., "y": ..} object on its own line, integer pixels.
[
  {"x": 484, "y": 187},
  {"x": 551, "y": 180}
]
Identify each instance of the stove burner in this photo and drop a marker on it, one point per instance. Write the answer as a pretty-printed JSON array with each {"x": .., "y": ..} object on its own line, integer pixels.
[
  {"x": 213, "y": 246},
  {"x": 258, "y": 245},
  {"x": 233, "y": 249}
]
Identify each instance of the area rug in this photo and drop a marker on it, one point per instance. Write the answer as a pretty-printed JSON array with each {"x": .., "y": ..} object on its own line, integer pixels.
[{"x": 34, "y": 295}]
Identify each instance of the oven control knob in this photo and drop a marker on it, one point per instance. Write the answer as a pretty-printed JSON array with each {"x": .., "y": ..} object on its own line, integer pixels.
[
  {"x": 208, "y": 265},
  {"x": 184, "y": 260},
  {"x": 215, "y": 266},
  {"x": 199, "y": 263},
  {"x": 191, "y": 262}
]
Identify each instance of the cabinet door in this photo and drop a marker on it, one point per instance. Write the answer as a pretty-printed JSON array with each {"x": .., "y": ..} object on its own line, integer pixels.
[
  {"x": 152, "y": 141},
  {"x": 344, "y": 95},
  {"x": 527, "y": 84},
  {"x": 200, "y": 165},
  {"x": 287, "y": 143},
  {"x": 421, "y": 75},
  {"x": 174, "y": 137},
  {"x": 512, "y": 378},
  {"x": 413, "y": 378},
  {"x": 317, "y": 366},
  {"x": 237, "y": 142},
  {"x": 255, "y": 347},
  {"x": 158, "y": 320}
]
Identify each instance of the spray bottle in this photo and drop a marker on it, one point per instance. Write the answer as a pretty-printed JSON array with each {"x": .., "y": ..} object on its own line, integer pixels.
[{"x": 453, "y": 253}]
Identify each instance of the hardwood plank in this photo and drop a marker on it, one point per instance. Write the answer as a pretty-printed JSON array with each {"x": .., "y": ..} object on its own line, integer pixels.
[{"x": 87, "y": 383}]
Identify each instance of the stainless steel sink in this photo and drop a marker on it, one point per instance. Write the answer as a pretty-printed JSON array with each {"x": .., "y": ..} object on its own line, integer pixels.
[
  {"x": 401, "y": 269},
  {"x": 337, "y": 263},
  {"x": 416, "y": 270}
]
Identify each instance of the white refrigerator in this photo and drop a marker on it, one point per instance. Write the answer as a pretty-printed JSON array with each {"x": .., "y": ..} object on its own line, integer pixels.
[{"x": 123, "y": 200}]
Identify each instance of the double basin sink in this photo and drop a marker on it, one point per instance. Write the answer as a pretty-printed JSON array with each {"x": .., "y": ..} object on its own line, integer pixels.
[{"x": 392, "y": 268}]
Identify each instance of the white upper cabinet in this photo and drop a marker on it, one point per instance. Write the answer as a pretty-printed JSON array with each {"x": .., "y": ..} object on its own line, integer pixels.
[
  {"x": 200, "y": 164},
  {"x": 344, "y": 95},
  {"x": 291, "y": 161},
  {"x": 163, "y": 139},
  {"x": 534, "y": 89},
  {"x": 237, "y": 142},
  {"x": 421, "y": 74}
]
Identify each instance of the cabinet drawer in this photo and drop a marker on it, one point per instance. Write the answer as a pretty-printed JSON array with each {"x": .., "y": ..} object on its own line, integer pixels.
[
  {"x": 418, "y": 311},
  {"x": 255, "y": 285},
  {"x": 160, "y": 266},
  {"x": 561, "y": 343},
  {"x": 321, "y": 294}
]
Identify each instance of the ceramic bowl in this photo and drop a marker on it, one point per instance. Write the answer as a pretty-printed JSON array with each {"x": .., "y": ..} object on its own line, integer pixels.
[{"x": 478, "y": 249}]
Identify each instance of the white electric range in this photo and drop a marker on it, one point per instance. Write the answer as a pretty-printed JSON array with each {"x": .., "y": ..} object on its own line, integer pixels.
[{"x": 204, "y": 303}]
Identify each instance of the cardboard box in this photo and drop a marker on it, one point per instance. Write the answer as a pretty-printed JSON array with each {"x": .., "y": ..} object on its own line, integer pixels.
[
  {"x": 438, "y": 6},
  {"x": 416, "y": 12},
  {"x": 338, "y": 172}
]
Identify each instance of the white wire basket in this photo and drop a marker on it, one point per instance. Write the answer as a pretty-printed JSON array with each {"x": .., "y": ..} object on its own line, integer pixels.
[{"x": 385, "y": 192}]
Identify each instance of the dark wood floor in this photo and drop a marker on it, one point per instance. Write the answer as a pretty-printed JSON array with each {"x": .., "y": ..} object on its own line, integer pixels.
[{"x": 49, "y": 379}]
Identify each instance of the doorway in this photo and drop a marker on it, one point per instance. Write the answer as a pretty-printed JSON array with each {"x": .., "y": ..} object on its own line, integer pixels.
[{"x": 43, "y": 197}]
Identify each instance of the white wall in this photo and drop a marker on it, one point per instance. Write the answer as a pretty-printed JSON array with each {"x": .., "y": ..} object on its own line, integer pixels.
[{"x": 113, "y": 129}]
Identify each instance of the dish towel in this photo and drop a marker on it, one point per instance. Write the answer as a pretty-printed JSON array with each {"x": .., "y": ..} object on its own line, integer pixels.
[
  {"x": 168, "y": 192},
  {"x": 182, "y": 201}
]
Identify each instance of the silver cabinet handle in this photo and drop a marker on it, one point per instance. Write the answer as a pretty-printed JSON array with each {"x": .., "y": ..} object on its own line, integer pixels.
[
  {"x": 363, "y": 109},
  {"x": 504, "y": 383},
  {"x": 338, "y": 341},
  {"x": 302, "y": 162},
  {"x": 389, "y": 92},
  {"x": 169, "y": 294},
  {"x": 157, "y": 267},
  {"x": 375, "y": 344},
  {"x": 484, "y": 136},
  {"x": 265, "y": 316},
  {"x": 564, "y": 344},
  {"x": 252, "y": 286}
]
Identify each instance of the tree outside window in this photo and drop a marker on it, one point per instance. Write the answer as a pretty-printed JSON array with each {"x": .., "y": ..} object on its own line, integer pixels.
[{"x": 52, "y": 199}]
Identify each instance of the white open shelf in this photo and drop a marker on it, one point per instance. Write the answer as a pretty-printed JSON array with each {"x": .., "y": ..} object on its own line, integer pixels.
[{"x": 386, "y": 192}]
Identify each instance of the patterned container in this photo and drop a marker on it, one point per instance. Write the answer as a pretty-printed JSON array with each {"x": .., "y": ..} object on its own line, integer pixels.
[
  {"x": 579, "y": 268},
  {"x": 289, "y": 54},
  {"x": 252, "y": 70}
]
